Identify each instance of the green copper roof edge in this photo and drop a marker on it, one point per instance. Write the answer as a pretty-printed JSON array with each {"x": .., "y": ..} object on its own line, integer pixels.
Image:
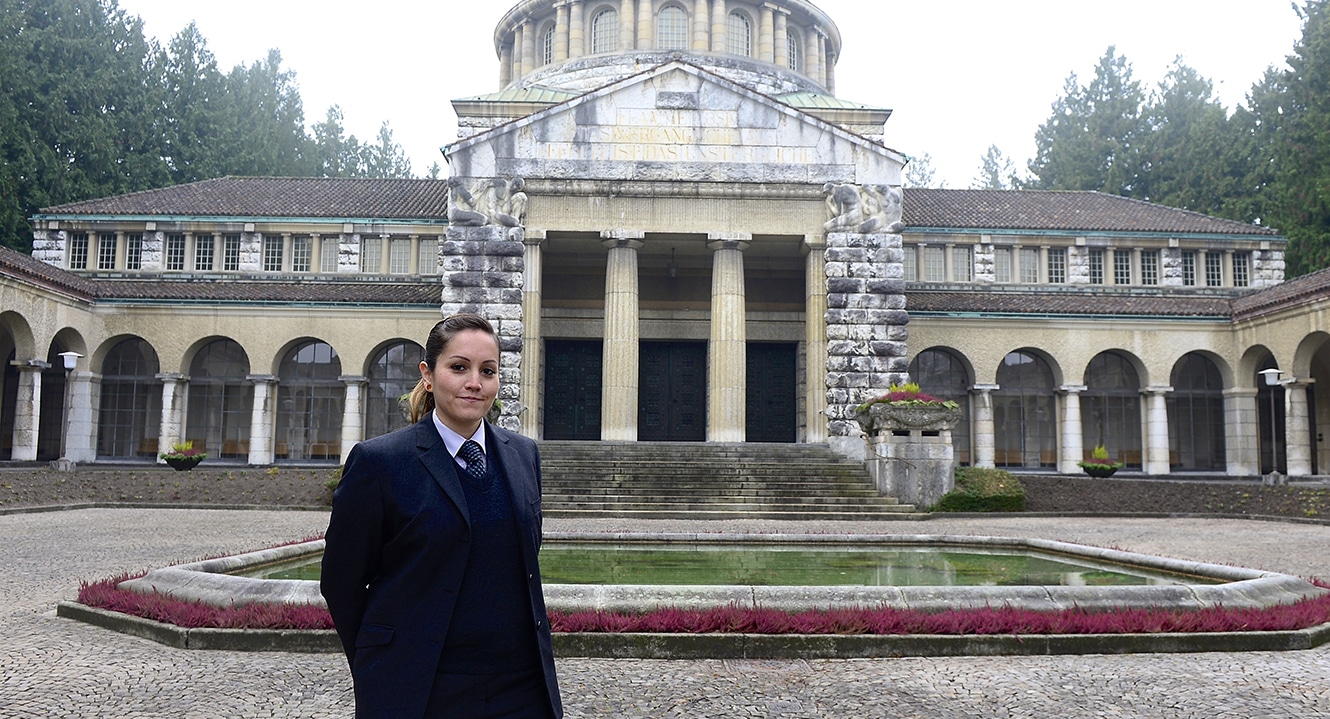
[
  {"x": 921, "y": 229},
  {"x": 939, "y": 314},
  {"x": 104, "y": 217}
]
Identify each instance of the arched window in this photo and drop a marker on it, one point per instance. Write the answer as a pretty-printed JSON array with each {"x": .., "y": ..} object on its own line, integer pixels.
[
  {"x": 672, "y": 29},
  {"x": 1111, "y": 409},
  {"x": 131, "y": 402},
  {"x": 547, "y": 46},
  {"x": 941, "y": 374},
  {"x": 794, "y": 51},
  {"x": 309, "y": 403},
  {"x": 1196, "y": 415},
  {"x": 1024, "y": 413},
  {"x": 221, "y": 401},
  {"x": 605, "y": 32},
  {"x": 739, "y": 34},
  {"x": 392, "y": 374}
]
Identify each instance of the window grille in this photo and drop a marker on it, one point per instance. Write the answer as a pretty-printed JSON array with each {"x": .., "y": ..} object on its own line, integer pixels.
[
  {"x": 134, "y": 252},
  {"x": 672, "y": 29},
  {"x": 739, "y": 35},
  {"x": 399, "y": 255},
  {"x": 1189, "y": 269},
  {"x": 1241, "y": 269},
  {"x": 605, "y": 32},
  {"x": 272, "y": 253},
  {"x": 1096, "y": 267},
  {"x": 962, "y": 264},
  {"x": 371, "y": 254},
  {"x": 78, "y": 251},
  {"x": 231, "y": 253},
  {"x": 203, "y": 253},
  {"x": 1030, "y": 265},
  {"x": 935, "y": 267},
  {"x": 175, "y": 253},
  {"x": 794, "y": 52},
  {"x": 1150, "y": 267},
  {"x": 1214, "y": 269},
  {"x": 910, "y": 260},
  {"x": 328, "y": 254},
  {"x": 428, "y": 263},
  {"x": 1002, "y": 264},
  {"x": 1122, "y": 267},
  {"x": 547, "y": 46},
  {"x": 1057, "y": 265},
  {"x": 300, "y": 253},
  {"x": 106, "y": 251}
]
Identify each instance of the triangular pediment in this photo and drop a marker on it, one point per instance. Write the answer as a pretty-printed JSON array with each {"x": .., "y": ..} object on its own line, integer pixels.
[{"x": 675, "y": 122}]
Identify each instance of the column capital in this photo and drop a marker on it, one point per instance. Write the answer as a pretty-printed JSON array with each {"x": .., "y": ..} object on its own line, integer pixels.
[
  {"x": 534, "y": 236},
  {"x": 172, "y": 376},
  {"x": 32, "y": 365},
  {"x": 814, "y": 243},
  {"x": 621, "y": 242},
  {"x": 623, "y": 234},
  {"x": 1240, "y": 392},
  {"x": 1072, "y": 388},
  {"x": 985, "y": 387},
  {"x": 1298, "y": 382},
  {"x": 728, "y": 240},
  {"x": 353, "y": 379},
  {"x": 262, "y": 379},
  {"x": 1156, "y": 389}
]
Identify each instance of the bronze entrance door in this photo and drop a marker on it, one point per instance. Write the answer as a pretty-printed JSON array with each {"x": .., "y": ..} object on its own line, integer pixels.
[
  {"x": 572, "y": 389},
  {"x": 672, "y": 381},
  {"x": 770, "y": 397}
]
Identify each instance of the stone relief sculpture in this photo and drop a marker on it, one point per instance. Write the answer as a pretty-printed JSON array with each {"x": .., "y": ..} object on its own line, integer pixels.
[
  {"x": 866, "y": 209},
  {"x": 497, "y": 201}
]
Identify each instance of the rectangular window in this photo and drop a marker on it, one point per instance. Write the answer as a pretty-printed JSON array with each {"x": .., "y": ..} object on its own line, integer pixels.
[
  {"x": 175, "y": 253},
  {"x": 429, "y": 256},
  {"x": 300, "y": 251},
  {"x": 1096, "y": 267},
  {"x": 1057, "y": 265},
  {"x": 203, "y": 253},
  {"x": 106, "y": 251},
  {"x": 272, "y": 253},
  {"x": 962, "y": 264},
  {"x": 911, "y": 262},
  {"x": 134, "y": 251},
  {"x": 1189, "y": 269},
  {"x": 231, "y": 253},
  {"x": 1122, "y": 267},
  {"x": 1002, "y": 264},
  {"x": 399, "y": 255},
  {"x": 1030, "y": 265},
  {"x": 371, "y": 254},
  {"x": 328, "y": 254},
  {"x": 1241, "y": 269},
  {"x": 78, "y": 251},
  {"x": 1150, "y": 267},
  {"x": 1214, "y": 269},
  {"x": 935, "y": 264}
]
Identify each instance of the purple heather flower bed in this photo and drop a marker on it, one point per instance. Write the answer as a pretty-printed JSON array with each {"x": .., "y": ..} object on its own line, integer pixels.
[{"x": 105, "y": 594}]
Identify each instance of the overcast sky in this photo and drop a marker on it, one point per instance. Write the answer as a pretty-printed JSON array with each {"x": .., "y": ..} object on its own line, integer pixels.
[{"x": 959, "y": 75}]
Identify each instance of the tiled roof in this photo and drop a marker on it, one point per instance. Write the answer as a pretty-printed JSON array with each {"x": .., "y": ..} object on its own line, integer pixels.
[
  {"x": 1296, "y": 291},
  {"x": 286, "y": 290},
  {"x": 1081, "y": 301},
  {"x": 1058, "y": 211},
  {"x": 17, "y": 264},
  {"x": 296, "y": 197}
]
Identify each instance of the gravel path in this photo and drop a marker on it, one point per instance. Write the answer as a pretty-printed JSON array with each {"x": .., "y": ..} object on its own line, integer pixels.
[{"x": 51, "y": 667}]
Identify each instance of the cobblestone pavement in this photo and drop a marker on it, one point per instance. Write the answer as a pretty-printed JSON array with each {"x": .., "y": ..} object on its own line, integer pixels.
[{"x": 52, "y": 667}]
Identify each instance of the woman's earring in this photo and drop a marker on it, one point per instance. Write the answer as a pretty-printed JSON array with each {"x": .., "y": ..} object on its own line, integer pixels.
[{"x": 429, "y": 388}]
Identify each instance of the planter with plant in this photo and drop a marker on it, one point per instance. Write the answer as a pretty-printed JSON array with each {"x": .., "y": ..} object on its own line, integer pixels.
[
  {"x": 1099, "y": 465},
  {"x": 906, "y": 408},
  {"x": 183, "y": 457}
]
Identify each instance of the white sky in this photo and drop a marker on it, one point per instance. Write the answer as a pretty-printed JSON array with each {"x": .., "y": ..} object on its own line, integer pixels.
[{"x": 959, "y": 75}]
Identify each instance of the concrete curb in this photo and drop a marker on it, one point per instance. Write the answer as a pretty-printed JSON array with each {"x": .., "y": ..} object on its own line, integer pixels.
[{"x": 740, "y": 646}]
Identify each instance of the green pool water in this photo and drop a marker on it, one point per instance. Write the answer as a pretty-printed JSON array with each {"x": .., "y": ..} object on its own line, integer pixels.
[{"x": 801, "y": 565}]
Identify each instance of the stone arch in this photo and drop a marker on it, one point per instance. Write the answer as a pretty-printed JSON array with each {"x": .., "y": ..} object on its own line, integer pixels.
[
  {"x": 16, "y": 335},
  {"x": 947, "y": 374},
  {"x": 391, "y": 370},
  {"x": 1025, "y": 410},
  {"x": 1196, "y": 423},
  {"x": 130, "y": 406},
  {"x": 221, "y": 398},
  {"x": 1111, "y": 406},
  {"x": 309, "y": 402}
]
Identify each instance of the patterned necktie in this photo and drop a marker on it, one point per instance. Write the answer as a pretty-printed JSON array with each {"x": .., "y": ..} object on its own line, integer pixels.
[{"x": 475, "y": 460}]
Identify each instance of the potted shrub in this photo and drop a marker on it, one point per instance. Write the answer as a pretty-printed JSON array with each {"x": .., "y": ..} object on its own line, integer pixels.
[
  {"x": 1098, "y": 465},
  {"x": 905, "y": 407},
  {"x": 183, "y": 457}
]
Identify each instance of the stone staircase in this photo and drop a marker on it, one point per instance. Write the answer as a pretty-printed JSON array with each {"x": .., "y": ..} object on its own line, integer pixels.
[{"x": 697, "y": 480}]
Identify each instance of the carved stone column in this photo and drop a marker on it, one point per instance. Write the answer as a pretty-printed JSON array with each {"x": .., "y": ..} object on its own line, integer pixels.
[
  {"x": 984, "y": 440},
  {"x": 27, "y": 409},
  {"x": 701, "y": 26},
  {"x": 175, "y": 393},
  {"x": 1297, "y": 428},
  {"x": 780, "y": 39},
  {"x": 262, "y": 419},
  {"x": 812, "y": 44},
  {"x": 1156, "y": 432},
  {"x": 727, "y": 358},
  {"x": 627, "y": 25},
  {"x": 528, "y": 48},
  {"x": 1073, "y": 442},
  {"x": 531, "y": 344},
  {"x": 619, "y": 374},
  {"x": 505, "y": 66},
  {"x": 561, "y": 33},
  {"x": 766, "y": 46},
  {"x": 645, "y": 36},
  {"x": 1241, "y": 430},
  {"x": 576, "y": 29},
  {"x": 815, "y": 339},
  {"x": 720, "y": 18},
  {"x": 353, "y": 414}
]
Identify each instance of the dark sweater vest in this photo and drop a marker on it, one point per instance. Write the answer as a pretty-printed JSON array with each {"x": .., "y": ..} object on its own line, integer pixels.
[{"x": 491, "y": 630}]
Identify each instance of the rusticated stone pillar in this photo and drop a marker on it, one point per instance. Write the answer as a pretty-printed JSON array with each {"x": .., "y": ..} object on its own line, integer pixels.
[
  {"x": 727, "y": 363},
  {"x": 866, "y": 328}
]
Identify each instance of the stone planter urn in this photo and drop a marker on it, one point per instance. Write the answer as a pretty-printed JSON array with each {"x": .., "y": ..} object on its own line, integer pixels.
[
  {"x": 879, "y": 417},
  {"x": 183, "y": 464},
  {"x": 1100, "y": 471}
]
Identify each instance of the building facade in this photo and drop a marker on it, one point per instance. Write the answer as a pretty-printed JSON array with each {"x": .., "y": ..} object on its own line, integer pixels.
[{"x": 682, "y": 235}]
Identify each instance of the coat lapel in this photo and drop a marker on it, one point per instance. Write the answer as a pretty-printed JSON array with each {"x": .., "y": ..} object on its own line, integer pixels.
[{"x": 434, "y": 455}]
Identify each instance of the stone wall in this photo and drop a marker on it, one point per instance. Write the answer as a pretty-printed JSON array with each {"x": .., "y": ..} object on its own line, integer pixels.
[
  {"x": 482, "y": 273},
  {"x": 866, "y": 327}
]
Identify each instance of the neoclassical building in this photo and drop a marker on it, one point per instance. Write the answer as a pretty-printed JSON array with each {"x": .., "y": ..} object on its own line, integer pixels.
[{"x": 682, "y": 235}]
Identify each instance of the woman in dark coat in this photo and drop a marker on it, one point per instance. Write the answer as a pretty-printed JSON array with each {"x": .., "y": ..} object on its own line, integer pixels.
[{"x": 430, "y": 569}]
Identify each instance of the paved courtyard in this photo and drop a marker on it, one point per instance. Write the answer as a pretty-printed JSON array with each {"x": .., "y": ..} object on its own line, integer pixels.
[{"x": 52, "y": 667}]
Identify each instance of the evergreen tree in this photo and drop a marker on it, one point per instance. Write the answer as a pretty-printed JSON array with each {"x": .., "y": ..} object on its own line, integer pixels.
[
  {"x": 194, "y": 107},
  {"x": 996, "y": 171},
  {"x": 920, "y": 173},
  {"x": 1091, "y": 140},
  {"x": 335, "y": 154},
  {"x": 1183, "y": 146},
  {"x": 386, "y": 159}
]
